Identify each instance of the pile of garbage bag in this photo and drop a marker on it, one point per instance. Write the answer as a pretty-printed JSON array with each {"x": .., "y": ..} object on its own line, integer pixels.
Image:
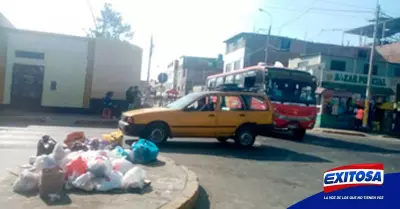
[{"x": 98, "y": 164}]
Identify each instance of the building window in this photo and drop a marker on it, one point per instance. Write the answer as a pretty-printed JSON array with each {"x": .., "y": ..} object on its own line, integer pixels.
[
  {"x": 396, "y": 72},
  {"x": 338, "y": 65},
  {"x": 374, "y": 69},
  {"x": 229, "y": 79},
  {"x": 302, "y": 64},
  {"x": 29, "y": 55},
  {"x": 236, "y": 65},
  {"x": 228, "y": 67},
  {"x": 362, "y": 53},
  {"x": 285, "y": 44}
]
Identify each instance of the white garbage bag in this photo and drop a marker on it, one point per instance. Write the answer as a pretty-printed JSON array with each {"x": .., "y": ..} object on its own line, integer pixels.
[
  {"x": 112, "y": 181},
  {"x": 100, "y": 167},
  {"x": 85, "y": 182},
  {"x": 122, "y": 165},
  {"x": 27, "y": 182},
  {"x": 59, "y": 152},
  {"x": 44, "y": 162},
  {"x": 134, "y": 178}
]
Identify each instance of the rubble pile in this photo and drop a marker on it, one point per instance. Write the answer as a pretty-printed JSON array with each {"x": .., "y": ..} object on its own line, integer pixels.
[{"x": 98, "y": 164}]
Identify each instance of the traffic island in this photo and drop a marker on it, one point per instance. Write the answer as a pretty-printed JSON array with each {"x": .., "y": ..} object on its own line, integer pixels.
[{"x": 172, "y": 186}]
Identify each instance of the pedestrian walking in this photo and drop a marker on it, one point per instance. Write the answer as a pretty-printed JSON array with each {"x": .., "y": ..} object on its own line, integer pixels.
[
  {"x": 359, "y": 117},
  {"x": 108, "y": 105}
]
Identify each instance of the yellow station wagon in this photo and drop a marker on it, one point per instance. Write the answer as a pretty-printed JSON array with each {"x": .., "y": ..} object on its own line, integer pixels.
[{"x": 212, "y": 114}]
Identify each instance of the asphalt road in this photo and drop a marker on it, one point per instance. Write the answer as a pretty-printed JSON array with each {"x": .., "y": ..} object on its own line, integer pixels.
[{"x": 276, "y": 173}]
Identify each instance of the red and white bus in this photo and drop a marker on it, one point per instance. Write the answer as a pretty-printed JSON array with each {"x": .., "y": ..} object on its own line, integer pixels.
[{"x": 291, "y": 91}]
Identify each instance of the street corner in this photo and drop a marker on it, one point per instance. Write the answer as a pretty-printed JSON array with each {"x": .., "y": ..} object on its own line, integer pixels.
[
  {"x": 172, "y": 187},
  {"x": 189, "y": 194},
  {"x": 94, "y": 122}
]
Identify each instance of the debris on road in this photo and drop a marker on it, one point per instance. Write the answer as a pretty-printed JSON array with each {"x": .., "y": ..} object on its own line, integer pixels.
[{"x": 86, "y": 164}]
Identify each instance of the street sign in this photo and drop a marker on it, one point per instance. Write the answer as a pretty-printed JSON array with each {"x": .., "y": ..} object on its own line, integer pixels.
[{"x": 162, "y": 77}]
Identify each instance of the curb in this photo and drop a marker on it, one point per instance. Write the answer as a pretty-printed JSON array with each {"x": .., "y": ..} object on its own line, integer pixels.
[
  {"x": 39, "y": 119},
  {"x": 342, "y": 133},
  {"x": 189, "y": 195},
  {"x": 96, "y": 122}
]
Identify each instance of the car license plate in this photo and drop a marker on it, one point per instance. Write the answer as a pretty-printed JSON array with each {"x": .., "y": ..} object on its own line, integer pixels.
[{"x": 292, "y": 126}]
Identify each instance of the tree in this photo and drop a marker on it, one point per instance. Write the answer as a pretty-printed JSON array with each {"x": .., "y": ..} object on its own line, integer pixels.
[{"x": 110, "y": 26}]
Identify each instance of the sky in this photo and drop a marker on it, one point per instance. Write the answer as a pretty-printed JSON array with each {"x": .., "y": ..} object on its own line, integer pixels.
[{"x": 198, "y": 28}]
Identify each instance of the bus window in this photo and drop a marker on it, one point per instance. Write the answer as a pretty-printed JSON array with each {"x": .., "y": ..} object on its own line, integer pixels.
[
  {"x": 239, "y": 80},
  {"x": 229, "y": 79},
  {"x": 219, "y": 82},
  {"x": 211, "y": 83}
]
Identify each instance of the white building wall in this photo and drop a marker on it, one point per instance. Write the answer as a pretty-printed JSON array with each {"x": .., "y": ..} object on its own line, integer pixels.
[
  {"x": 117, "y": 65},
  {"x": 234, "y": 56},
  {"x": 65, "y": 62}
]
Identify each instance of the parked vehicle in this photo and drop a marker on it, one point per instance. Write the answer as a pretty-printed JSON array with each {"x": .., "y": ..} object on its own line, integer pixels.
[
  {"x": 216, "y": 114},
  {"x": 291, "y": 91}
]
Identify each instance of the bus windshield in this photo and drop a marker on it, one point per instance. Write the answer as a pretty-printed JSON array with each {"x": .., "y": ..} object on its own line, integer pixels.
[{"x": 289, "y": 90}]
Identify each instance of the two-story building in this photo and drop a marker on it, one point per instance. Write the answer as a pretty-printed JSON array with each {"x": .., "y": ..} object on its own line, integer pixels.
[
  {"x": 342, "y": 83},
  {"x": 248, "y": 49},
  {"x": 188, "y": 72}
]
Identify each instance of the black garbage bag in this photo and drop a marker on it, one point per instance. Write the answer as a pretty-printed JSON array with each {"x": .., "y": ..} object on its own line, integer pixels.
[{"x": 45, "y": 145}]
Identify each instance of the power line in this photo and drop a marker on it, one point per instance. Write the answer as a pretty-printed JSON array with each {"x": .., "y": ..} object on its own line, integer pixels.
[
  {"x": 321, "y": 9},
  {"x": 346, "y": 4},
  {"x": 299, "y": 16}
]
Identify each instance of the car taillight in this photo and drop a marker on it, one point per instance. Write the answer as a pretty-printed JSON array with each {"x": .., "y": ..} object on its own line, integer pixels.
[{"x": 130, "y": 120}]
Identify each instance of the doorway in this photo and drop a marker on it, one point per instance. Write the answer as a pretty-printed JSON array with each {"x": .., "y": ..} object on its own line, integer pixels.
[{"x": 27, "y": 86}]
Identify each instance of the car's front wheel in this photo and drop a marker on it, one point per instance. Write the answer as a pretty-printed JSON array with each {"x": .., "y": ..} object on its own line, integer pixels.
[
  {"x": 245, "y": 136},
  {"x": 156, "y": 132}
]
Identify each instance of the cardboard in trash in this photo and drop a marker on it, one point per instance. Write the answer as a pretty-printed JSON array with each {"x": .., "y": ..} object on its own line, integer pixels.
[{"x": 51, "y": 182}]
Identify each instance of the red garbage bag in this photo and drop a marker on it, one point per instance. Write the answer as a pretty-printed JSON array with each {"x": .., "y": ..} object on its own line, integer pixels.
[{"x": 76, "y": 167}]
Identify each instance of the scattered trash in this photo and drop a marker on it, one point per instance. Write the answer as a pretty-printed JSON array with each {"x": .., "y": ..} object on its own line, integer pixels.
[
  {"x": 87, "y": 164},
  {"x": 26, "y": 182},
  {"x": 144, "y": 151}
]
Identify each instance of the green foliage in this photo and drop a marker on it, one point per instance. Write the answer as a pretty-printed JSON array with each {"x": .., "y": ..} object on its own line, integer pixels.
[{"x": 110, "y": 26}]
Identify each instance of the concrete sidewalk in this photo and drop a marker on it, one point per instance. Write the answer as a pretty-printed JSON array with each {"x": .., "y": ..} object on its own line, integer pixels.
[
  {"x": 352, "y": 133},
  {"x": 172, "y": 186},
  {"x": 56, "y": 119}
]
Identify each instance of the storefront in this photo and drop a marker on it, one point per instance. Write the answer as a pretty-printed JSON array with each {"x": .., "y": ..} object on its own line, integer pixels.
[{"x": 341, "y": 93}]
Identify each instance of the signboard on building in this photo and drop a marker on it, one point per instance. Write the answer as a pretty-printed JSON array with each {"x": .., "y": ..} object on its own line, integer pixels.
[{"x": 354, "y": 79}]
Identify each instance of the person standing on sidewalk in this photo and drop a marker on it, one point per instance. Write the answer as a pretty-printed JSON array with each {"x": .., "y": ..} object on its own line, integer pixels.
[
  {"x": 129, "y": 98},
  {"x": 136, "y": 95},
  {"x": 359, "y": 117}
]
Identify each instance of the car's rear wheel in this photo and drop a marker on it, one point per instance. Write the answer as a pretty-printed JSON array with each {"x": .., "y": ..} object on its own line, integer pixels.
[
  {"x": 156, "y": 132},
  {"x": 222, "y": 139},
  {"x": 245, "y": 136}
]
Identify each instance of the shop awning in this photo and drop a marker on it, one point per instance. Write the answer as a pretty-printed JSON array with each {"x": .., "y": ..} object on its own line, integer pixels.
[{"x": 358, "y": 89}]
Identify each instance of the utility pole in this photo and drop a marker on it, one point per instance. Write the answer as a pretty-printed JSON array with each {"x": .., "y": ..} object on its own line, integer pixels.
[
  {"x": 267, "y": 45},
  {"x": 371, "y": 67},
  {"x": 264, "y": 88},
  {"x": 149, "y": 62}
]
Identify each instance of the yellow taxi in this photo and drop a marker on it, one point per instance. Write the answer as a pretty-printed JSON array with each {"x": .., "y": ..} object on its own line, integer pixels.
[{"x": 211, "y": 114}]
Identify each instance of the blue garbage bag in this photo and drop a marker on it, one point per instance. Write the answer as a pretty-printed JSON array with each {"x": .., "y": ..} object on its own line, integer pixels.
[{"x": 144, "y": 151}]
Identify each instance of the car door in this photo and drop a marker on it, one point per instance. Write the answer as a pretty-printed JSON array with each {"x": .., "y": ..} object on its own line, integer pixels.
[
  {"x": 230, "y": 115},
  {"x": 198, "y": 119},
  {"x": 259, "y": 112}
]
